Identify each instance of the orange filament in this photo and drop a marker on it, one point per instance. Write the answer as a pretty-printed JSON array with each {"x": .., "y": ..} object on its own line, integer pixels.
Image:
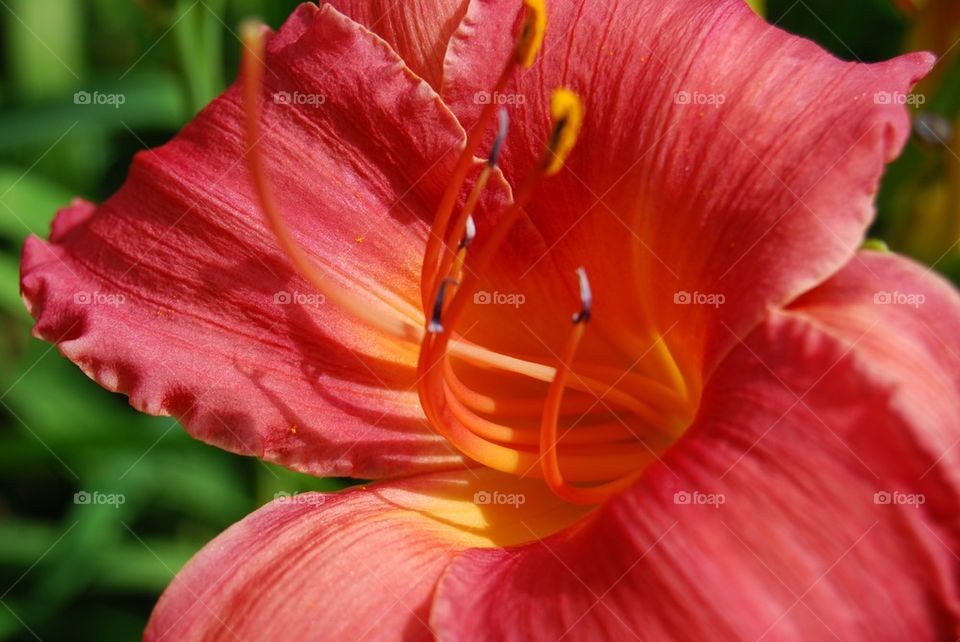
[
  {"x": 253, "y": 69},
  {"x": 398, "y": 325},
  {"x": 456, "y": 253},
  {"x": 549, "y": 458},
  {"x": 459, "y": 231},
  {"x": 610, "y": 391},
  {"x": 508, "y": 458},
  {"x": 438, "y": 231},
  {"x": 593, "y": 444},
  {"x": 474, "y": 436},
  {"x": 525, "y": 53},
  {"x": 600, "y": 434},
  {"x": 609, "y": 455},
  {"x": 582, "y": 405}
]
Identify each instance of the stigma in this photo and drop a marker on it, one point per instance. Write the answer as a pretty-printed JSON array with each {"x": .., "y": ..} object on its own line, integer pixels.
[
  {"x": 587, "y": 429},
  {"x": 584, "y": 451}
]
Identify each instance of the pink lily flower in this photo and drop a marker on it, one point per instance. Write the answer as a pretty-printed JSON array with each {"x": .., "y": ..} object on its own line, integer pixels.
[{"x": 752, "y": 438}]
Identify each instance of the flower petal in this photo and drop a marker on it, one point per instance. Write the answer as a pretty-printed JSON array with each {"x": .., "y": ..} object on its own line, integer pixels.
[
  {"x": 360, "y": 564},
  {"x": 905, "y": 323},
  {"x": 721, "y": 159},
  {"x": 806, "y": 503},
  {"x": 520, "y": 283},
  {"x": 175, "y": 293},
  {"x": 419, "y": 32}
]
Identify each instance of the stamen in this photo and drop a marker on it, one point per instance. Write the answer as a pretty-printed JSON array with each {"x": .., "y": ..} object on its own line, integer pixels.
[
  {"x": 528, "y": 44},
  {"x": 527, "y": 407},
  {"x": 532, "y": 33},
  {"x": 461, "y": 230},
  {"x": 433, "y": 351},
  {"x": 436, "y": 327},
  {"x": 586, "y": 298},
  {"x": 469, "y": 234},
  {"x": 567, "y": 111},
  {"x": 578, "y": 466},
  {"x": 515, "y": 460},
  {"x": 460, "y": 227},
  {"x": 503, "y": 126},
  {"x": 566, "y": 127},
  {"x": 599, "y": 434}
]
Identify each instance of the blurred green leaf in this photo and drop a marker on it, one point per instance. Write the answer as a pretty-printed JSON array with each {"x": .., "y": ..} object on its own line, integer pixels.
[
  {"x": 27, "y": 203},
  {"x": 10, "y": 301},
  {"x": 146, "y": 566},
  {"x": 867, "y": 30},
  {"x": 44, "y": 45},
  {"x": 149, "y": 100},
  {"x": 22, "y": 542},
  {"x": 198, "y": 32}
]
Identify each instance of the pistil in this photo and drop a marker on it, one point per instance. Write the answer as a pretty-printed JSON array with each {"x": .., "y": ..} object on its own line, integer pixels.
[
  {"x": 612, "y": 425},
  {"x": 549, "y": 458}
]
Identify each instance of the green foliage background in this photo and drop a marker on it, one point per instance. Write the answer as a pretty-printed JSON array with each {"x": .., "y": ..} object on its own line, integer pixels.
[{"x": 76, "y": 572}]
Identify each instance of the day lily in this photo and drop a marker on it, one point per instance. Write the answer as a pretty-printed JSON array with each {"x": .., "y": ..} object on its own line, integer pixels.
[{"x": 354, "y": 263}]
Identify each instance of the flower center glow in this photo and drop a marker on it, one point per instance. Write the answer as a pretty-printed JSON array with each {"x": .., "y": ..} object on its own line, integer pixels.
[{"x": 587, "y": 444}]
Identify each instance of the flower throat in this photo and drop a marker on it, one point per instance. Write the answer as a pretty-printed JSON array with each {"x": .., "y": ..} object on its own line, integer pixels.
[{"x": 550, "y": 435}]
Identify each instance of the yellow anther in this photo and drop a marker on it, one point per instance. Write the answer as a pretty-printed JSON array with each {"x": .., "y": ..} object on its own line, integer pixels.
[
  {"x": 532, "y": 33},
  {"x": 567, "y": 111}
]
